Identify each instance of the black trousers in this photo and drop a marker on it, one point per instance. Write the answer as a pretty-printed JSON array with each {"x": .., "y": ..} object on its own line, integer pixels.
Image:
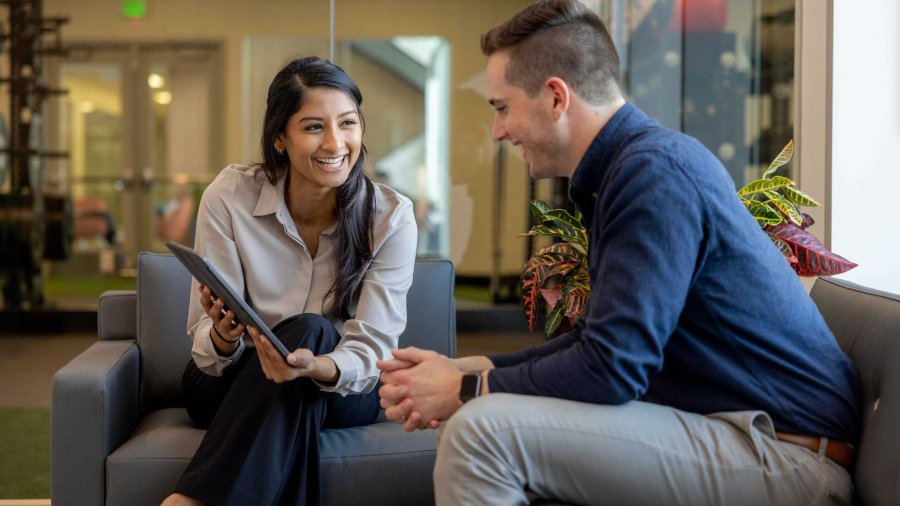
[{"x": 262, "y": 439}]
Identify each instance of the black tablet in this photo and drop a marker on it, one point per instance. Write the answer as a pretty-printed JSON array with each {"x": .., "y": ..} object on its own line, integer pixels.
[{"x": 207, "y": 274}]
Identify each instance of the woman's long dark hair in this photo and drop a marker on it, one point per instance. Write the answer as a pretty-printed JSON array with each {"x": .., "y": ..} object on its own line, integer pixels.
[{"x": 356, "y": 197}]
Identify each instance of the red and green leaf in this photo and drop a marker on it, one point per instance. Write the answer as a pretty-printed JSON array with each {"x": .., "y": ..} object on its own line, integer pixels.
[
  {"x": 577, "y": 303},
  {"x": 552, "y": 260},
  {"x": 813, "y": 258},
  {"x": 551, "y": 295},
  {"x": 808, "y": 221},
  {"x": 558, "y": 253},
  {"x": 784, "y": 248},
  {"x": 534, "y": 277},
  {"x": 567, "y": 298},
  {"x": 565, "y": 262}
]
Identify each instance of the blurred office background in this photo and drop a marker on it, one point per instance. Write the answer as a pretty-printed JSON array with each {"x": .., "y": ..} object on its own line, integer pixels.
[{"x": 162, "y": 94}]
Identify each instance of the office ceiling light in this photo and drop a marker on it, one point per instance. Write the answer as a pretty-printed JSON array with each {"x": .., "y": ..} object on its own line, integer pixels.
[
  {"x": 163, "y": 97},
  {"x": 155, "y": 81}
]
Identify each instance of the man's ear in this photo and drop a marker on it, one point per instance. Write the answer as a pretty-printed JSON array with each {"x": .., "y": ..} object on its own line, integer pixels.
[{"x": 560, "y": 93}]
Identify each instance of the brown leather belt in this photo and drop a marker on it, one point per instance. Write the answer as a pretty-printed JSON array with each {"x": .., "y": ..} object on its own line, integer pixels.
[{"x": 838, "y": 451}]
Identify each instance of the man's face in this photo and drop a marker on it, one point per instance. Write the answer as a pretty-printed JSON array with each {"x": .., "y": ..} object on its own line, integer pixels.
[{"x": 523, "y": 121}]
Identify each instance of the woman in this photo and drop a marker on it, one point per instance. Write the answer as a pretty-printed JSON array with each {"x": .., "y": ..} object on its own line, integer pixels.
[{"x": 306, "y": 232}]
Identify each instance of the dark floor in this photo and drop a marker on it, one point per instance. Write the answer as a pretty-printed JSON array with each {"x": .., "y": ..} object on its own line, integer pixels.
[{"x": 28, "y": 361}]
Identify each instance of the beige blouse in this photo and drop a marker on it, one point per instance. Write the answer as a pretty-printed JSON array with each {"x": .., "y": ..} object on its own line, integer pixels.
[{"x": 245, "y": 229}]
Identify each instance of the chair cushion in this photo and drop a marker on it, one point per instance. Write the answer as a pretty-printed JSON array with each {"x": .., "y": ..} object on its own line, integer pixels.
[
  {"x": 149, "y": 464},
  {"x": 379, "y": 462}
]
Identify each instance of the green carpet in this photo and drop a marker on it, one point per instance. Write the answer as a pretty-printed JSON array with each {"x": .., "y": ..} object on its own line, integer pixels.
[
  {"x": 473, "y": 293},
  {"x": 24, "y": 453},
  {"x": 56, "y": 286}
]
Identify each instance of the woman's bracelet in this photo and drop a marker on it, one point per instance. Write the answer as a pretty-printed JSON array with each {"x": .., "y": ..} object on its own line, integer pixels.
[{"x": 236, "y": 339}]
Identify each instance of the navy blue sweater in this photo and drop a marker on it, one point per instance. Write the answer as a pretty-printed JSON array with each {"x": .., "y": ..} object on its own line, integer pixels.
[{"x": 691, "y": 305}]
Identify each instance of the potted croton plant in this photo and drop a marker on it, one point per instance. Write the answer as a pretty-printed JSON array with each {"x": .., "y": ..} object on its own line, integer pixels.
[
  {"x": 563, "y": 262},
  {"x": 558, "y": 273},
  {"x": 775, "y": 204}
]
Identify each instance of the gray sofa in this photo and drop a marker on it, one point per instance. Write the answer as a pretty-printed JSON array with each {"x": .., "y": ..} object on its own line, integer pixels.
[
  {"x": 866, "y": 324},
  {"x": 119, "y": 434}
]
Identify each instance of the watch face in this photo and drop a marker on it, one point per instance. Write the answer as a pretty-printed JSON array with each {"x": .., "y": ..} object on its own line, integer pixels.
[{"x": 470, "y": 387}]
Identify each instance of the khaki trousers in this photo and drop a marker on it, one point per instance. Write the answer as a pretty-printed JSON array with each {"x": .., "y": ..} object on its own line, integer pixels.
[{"x": 497, "y": 447}]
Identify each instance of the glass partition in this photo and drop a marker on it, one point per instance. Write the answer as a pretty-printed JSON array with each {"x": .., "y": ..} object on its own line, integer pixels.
[
  {"x": 719, "y": 70},
  {"x": 192, "y": 94}
]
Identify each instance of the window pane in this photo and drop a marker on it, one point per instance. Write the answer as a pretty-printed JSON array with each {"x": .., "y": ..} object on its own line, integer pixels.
[{"x": 719, "y": 70}]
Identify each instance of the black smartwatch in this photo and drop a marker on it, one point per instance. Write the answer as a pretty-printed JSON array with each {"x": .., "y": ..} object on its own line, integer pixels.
[{"x": 470, "y": 386}]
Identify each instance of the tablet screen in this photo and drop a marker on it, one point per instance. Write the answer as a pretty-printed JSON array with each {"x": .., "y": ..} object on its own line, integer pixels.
[{"x": 206, "y": 274}]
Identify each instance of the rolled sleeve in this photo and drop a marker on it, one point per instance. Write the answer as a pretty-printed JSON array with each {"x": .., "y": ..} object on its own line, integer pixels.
[
  {"x": 380, "y": 315},
  {"x": 207, "y": 358},
  {"x": 214, "y": 240}
]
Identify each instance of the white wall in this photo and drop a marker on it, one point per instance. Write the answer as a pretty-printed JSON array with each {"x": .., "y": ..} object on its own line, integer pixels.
[{"x": 865, "y": 142}]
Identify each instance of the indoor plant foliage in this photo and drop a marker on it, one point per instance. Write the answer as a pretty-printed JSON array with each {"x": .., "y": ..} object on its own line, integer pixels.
[
  {"x": 563, "y": 262},
  {"x": 563, "y": 266},
  {"x": 775, "y": 204}
]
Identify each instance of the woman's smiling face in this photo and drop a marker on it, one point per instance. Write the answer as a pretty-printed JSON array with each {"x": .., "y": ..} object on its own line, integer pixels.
[{"x": 322, "y": 139}]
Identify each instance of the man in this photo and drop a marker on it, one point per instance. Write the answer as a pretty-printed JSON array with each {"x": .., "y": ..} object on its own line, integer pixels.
[{"x": 701, "y": 373}]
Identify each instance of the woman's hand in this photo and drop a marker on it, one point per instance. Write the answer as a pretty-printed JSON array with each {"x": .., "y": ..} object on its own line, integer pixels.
[
  {"x": 301, "y": 363},
  {"x": 225, "y": 332}
]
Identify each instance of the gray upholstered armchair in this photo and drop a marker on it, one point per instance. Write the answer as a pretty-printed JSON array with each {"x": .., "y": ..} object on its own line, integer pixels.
[
  {"x": 866, "y": 324},
  {"x": 119, "y": 433}
]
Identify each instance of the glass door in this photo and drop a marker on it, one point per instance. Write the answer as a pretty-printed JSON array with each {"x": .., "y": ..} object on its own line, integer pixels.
[
  {"x": 131, "y": 196},
  {"x": 136, "y": 122}
]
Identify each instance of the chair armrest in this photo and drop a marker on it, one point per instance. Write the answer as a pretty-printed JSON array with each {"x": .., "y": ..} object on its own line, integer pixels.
[
  {"x": 117, "y": 315},
  {"x": 94, "y": 410}
]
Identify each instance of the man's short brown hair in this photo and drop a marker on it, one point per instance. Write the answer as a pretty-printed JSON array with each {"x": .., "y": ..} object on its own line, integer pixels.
[{"x": 560, "y": 38}]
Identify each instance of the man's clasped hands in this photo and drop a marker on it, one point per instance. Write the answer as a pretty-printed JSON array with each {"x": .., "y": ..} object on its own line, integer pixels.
[{"x": 421, "y": 387}]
